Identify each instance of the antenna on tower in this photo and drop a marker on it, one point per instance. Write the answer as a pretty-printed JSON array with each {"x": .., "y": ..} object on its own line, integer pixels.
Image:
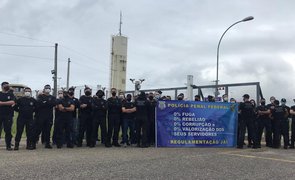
[{"x": 120, "y": 27}]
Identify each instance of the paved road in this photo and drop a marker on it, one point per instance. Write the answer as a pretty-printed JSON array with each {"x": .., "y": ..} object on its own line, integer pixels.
[{"x": 149, "y": 163}]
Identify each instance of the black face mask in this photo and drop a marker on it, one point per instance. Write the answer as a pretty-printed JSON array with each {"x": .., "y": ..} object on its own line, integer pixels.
[
  {"x": 6, "y": 88},
  {"x": 197, "y": 99},
  {"x": 151, "y": 97},
  {"x": 99, "y": 95},
  {"x": 179, "y": 98},
  {"x": 128, "y": 99},
  {"x": 71, "y": 93},
  {"x": 114, "y": 93},
  {"x": 87, "y": 93},
  {"x": 263, "y": 103}
]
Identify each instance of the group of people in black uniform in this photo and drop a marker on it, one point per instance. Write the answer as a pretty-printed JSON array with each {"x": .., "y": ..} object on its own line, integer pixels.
[
  {"x": 74, "y": 120},
  {"x": 271, "y": 119}
]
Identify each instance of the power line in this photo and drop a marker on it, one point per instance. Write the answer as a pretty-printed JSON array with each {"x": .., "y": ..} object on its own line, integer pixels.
[
  {"x": 81, "y": 54},
  {"x": 26, "y": 37},
  {"x": 26, "y": 56},
  {"x": 23, "y": 45}
]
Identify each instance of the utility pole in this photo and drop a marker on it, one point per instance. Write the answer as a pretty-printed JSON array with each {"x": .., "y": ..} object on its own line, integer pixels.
[
  {"x": 68, "y": 75},
  {"x": 54, "y": 72}
]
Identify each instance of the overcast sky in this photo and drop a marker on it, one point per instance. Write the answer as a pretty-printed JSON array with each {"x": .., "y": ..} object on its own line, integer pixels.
[{"x": 168, "y": 40}]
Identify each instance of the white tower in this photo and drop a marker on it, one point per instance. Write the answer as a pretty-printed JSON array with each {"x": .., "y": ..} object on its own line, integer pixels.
[{"x": 118, "y": 60}]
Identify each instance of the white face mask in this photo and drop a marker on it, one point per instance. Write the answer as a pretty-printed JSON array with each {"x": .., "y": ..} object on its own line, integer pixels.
[
  {"x": 121, "y": 96},
  {"x": 225, "y": 99},
  {"x": 27, "y": 94},
  {"x": 47, "y": 90}
]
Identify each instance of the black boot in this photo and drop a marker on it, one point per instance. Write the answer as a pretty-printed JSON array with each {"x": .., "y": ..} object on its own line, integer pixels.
[
  {"x": 16, "y": 147},
  {"x": 48, "y": 146}
]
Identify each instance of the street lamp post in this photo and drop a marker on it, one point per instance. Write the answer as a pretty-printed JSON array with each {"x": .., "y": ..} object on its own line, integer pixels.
[{"x": 249, "y": 18}]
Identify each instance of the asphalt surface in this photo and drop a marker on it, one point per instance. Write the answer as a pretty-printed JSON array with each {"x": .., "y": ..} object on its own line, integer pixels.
[{"x": 147, "y": 163}]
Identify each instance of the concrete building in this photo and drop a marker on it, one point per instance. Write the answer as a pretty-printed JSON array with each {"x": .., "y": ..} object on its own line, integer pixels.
[{"x": 118, "y": 61}]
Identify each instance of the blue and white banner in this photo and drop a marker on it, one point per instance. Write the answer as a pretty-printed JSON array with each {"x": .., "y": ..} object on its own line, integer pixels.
[{"x": 196, "y": 124}]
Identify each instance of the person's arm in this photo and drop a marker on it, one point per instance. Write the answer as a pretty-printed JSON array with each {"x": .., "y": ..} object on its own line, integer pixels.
[
  {"x": 292, "y": 112},
  {"x": 70, "y": 109},
  {"x": 7, "y": 103}
]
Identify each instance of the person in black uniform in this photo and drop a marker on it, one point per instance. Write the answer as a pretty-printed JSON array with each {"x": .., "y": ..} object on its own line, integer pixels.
[
  {"x": 25, "y": 106},
  {"x": 114, "y": 112},
  {"x": 263, "y": 121},
  {"x": 285, "y": 123},
  {"x": 85, "y": 117},
  {"x": 65, "y": 121},
  {"x": 75, "y": 131},
  {"x": 142, "y": 124},
  {"x": 197, "y": 98},
  {"x": 292, "y": 113},
  {"x": 7, "y": 101},
  {"x": 271, "y": 106},
  {"x": 56, "y": 116},
  {"x": 279, "y": 114},
  {"x": 128, "y": 109},
  {"x": 99, "y": 108},
  {"x": 247, "y": 116},
  {"x": 152, "y": 103},
  {"x": 44, "y": 121}
]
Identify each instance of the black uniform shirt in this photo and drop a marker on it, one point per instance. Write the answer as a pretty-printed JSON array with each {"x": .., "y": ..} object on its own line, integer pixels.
[
  {"x": 262, "y": 108},
  {"x": 114, "y": 106},
  {"x": 6, "y": 110},
  {"x": 45, "y": 105},
  {"x": 66, "y": 102},
  {"x": 99, "y": 107},
  {"x": 141, "y": 107},
  {"x": 247, "y": 109},
  {"x": 86, "y": 100},
  {"x": 26, "y": 106},
  {"x": 128, "y": 105},
  {"x": 278, "y": 113},
  {"x": 293, "y": 108}
]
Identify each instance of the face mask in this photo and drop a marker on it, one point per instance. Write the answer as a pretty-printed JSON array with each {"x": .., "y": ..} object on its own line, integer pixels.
[
  {"x": 87, "y": 93},
  {"x": 179, "y": 98},
  {"x": 47, "y": 90},
  {"x": 121, "y": 96},
  {"x": 151, "y": 97},
  {"x": 233, "y": 102},
  {"x": 263, "y": 103},
  {"x": 128, "y": 99},
  {"x": 71, "y": 93},
  {"x": 197, "y": 99},
  {"x": 27, "y": 94},
  {"x": 157, "y": 96},
  {"x": 225, "y": 99},
  {"x": 6, "y": 88},
  {"x": 113, "y": 93},
  {"x": 100, "y": 95}
]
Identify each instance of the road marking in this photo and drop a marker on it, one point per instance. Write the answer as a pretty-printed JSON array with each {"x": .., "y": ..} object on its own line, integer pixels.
[{"x": 258, "y": 157}]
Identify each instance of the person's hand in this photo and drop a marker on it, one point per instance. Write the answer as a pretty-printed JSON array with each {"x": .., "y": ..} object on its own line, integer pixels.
[{"x": 83, "y": 106}]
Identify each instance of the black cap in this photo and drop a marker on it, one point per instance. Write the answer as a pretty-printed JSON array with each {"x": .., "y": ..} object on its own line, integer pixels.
[
  {"x": 47, "y": 86},
  {"x": 283, "y": 100},
  {"x": 246, "y": 96},
  {"x": 160, "y": 92},
  {"x": 4, "y": 83},
  {"x": 197, "y": 96},
  {"x": 72, "y": 89},
  {"x": 100, "y": 92}
]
